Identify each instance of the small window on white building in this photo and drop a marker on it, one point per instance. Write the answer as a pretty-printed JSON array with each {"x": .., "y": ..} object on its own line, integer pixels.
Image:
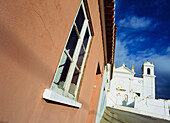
[
  {"x": 137, "y": 94},
  {"x": 148, "y": 71},
  {"x": 70, "y": 69}
]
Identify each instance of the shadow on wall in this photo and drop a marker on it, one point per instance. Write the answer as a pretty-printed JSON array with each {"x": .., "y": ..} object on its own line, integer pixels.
[
  {"x": 57, "y": 103},
  {"x": 16, "y": 50},
  {"x": 93, "y": 112},
  {"x": 124, "y": 103},
  {"x": 131, "y": 104},
  {"x": 84, "y": 105}
]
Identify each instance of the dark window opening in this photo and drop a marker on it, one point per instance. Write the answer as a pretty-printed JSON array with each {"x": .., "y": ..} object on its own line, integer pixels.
[
  {"x": 138, "y": 94},
  {"x": 86, "y": 38},
  {"x": 80, "y": 58},
  {"x": 80, "y": 19},
  {"x": 62, "y": 70},
  {"x": 148, "y": 71},
  {"x": 72, "y": 42},
  {"x": 98, "y": 70},
  {"x": 66, "y": 66}
]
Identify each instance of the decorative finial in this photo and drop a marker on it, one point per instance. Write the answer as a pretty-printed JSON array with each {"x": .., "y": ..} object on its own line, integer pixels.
[
  {"x": 114, "y": 65},
  {"x": 132, "y": 67},
  {"x": 123, "y": 65},
  {"x": 152, "y": 62}
]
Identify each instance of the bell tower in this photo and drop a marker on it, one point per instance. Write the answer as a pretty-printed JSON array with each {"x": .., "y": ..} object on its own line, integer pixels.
[{"x": 149, "y": 80}]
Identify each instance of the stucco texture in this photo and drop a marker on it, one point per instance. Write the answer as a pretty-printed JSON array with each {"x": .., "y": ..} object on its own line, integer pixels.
[{"x": 32, "y": 37}]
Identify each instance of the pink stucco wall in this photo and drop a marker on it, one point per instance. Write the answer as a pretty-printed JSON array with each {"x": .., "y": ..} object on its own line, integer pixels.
[{"x": 32, "y": 37}]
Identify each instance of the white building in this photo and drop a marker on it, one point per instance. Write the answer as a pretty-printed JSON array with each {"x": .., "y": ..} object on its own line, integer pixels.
[{"x": 136, "y": 94}]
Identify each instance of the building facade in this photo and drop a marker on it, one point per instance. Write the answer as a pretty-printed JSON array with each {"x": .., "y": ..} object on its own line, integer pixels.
[
  {"x": 135, "y": 94},
  {"x": 54, "y": 56},
  {"x": 126, "y": 86}
]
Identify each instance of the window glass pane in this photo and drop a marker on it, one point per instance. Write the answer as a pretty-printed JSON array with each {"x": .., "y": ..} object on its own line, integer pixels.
[
  {"x": 80, "y": 19},
  {"x": 74, "y": 81},
  {"x": 62, "y": 70},
  {"x": 72, "y": 42},
  {"x": 80, "y": 58},
  {"x": 86, "y": 37}
]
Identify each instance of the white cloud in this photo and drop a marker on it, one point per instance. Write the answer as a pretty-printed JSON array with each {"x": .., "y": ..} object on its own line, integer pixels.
[
  {"x": 146, "y": 53},
  {"x": 136, "y": 40},
  {"x": 140, "y": 39},
  {"x": 135, "y": 22},
  {"x": 168, "y": 50},
  {"x": 122, "y": 35},
  {"x": 122, "y": 55},
  {"x": 121, "y": 52},
  {"x": 162, "y": 63}
]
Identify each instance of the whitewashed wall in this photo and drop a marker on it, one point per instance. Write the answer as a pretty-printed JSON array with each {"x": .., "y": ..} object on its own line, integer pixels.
[
  {"x": 151, "y": 106},
  {"x": 103, "y": 93}
]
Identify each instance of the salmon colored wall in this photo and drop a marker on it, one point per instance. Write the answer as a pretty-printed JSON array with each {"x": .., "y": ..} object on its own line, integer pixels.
[
  {"x": 94, "y": 100},
  {"x": 32, "y": 37}
]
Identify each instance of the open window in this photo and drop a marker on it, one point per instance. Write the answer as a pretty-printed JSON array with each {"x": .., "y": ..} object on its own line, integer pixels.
[{"x": 70, "y": 69}]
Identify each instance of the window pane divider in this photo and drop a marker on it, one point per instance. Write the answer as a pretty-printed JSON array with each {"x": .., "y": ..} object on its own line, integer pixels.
[
  {"x": 83, "y": 63},
  {"x": 84, "y": 48},
  {"x": 72, "y": 67},
  {"x": 68, "y": 78},
  {"x": 68, "y": 55},
  {"x": 78, "y": 69},
  {"x": 77, "y": 30}
]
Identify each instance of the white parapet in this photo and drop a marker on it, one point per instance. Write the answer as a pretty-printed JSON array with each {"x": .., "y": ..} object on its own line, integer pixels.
[{"x": 158, "y": 108}]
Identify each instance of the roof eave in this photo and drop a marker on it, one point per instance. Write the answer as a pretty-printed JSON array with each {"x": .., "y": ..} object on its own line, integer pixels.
[{"x": 109, "y": 29}]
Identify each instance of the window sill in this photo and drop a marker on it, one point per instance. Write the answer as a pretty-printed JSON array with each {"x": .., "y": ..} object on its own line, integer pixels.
[{"x": 53, "y": 96}]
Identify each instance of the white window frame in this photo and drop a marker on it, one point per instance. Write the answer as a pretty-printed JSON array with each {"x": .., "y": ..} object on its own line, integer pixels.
[{"x": 66, "y": 97}]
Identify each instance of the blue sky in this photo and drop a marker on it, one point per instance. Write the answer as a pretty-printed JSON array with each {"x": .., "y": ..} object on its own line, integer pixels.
[{"x": 143, "y": 33}]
